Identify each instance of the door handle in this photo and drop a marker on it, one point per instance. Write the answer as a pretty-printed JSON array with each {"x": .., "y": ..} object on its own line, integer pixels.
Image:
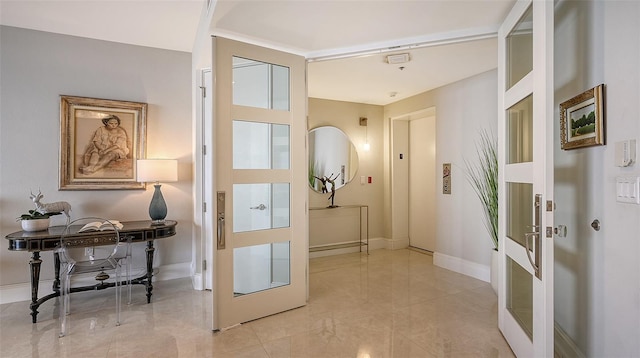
[
  {"x": 259, "y": 207},
  {"x": 528, "y": 235},
  {"x": 221, "y": 242},
  {"x": 537, "y": 247},
  {"x": 221, "y": 239}
]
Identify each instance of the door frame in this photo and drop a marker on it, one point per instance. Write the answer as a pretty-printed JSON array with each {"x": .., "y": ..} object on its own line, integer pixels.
[{"x": 422, "y": 113}]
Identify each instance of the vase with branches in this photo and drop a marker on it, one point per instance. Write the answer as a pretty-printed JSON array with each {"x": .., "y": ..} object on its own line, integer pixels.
[{"x": 483, "y": 176}]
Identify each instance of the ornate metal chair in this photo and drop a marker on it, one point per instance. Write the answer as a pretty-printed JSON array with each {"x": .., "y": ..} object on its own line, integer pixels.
[{"x": 111, "y": 253}]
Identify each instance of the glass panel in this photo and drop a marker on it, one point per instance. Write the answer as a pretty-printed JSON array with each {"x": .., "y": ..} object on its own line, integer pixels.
[
  {"x": 280, "y": 76},
  {"x": 260, "y": 267},
  {"x": 260, "y": 145},
  {"x": 520, "y": 296},
  {"x": 519, "y": 60},
  {"x": 519, "y": 211},
  {"x": 259, "y": 84},
  {"x": 520, "y": 131},
  {"x": 260, "y": 206},
  {"x": 279, "y": 146}
]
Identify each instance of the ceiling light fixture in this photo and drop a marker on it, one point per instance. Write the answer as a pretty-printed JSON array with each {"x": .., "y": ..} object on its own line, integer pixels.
[{"x": 398, "y": 58}]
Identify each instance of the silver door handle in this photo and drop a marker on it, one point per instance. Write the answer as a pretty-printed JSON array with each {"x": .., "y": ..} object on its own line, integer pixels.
[
  {"x": 259, "y": 207},
  {"x": 537, "y": 260},
  {"x": 527, "y": 235}
]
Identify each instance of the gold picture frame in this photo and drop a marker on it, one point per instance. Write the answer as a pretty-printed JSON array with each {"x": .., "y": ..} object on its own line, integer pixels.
[
  {"x": 582, "y": 120},
  {"x": 100, "y": 140}
]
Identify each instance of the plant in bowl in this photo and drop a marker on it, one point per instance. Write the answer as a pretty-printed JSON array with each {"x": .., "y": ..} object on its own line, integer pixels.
[{"x": 35, "y": 220}]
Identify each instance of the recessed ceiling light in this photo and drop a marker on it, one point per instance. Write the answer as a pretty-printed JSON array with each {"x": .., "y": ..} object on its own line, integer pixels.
[{"x": 398, "y": 58}]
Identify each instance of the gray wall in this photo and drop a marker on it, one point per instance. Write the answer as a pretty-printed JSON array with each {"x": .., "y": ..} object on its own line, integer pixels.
[
  {"x": 35, "y": 69},
  {"x": 597, "y": 274},
  {"x": 617, "y": 298}
]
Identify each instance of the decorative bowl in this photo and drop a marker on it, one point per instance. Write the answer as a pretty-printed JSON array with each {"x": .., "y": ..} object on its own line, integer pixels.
[{"x": 35, "y": 225}]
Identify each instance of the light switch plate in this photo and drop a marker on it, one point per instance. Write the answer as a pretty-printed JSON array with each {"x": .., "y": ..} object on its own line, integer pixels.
[
  {"x": 628, "y": 190},
  {"x": 625, "y": 153}
]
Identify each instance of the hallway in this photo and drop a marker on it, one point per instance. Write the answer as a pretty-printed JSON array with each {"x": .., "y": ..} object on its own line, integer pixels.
[{"x": 387, "y": 304}]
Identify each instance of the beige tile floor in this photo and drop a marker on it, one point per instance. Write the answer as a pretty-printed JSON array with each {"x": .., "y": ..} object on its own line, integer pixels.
[{"x": 387, "y": 304}]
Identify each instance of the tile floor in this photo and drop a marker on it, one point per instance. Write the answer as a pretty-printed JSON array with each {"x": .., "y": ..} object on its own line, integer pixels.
[{"x": 387, "y": 304}]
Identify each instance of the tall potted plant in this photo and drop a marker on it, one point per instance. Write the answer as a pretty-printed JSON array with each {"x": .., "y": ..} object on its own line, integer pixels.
[{"x": 483, "y": 176}]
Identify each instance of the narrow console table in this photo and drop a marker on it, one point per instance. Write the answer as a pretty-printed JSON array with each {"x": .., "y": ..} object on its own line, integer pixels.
[
  {"x": 357, "y": 243},
  {"x": 48, "y": 240}
]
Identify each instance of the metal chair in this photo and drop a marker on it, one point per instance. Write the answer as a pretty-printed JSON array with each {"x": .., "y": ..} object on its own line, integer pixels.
[{"x": 111, "y": 252}]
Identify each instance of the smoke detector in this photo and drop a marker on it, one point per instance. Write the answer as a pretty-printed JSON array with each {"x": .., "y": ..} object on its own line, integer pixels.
[{"x": 398, "y": 58}]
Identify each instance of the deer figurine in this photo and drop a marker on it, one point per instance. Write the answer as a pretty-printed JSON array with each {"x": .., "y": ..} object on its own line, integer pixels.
[{"x": 58, "y": 206}]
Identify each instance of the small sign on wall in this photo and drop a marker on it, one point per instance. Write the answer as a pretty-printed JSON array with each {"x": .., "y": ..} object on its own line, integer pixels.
[{"x": 446, "y": 178}]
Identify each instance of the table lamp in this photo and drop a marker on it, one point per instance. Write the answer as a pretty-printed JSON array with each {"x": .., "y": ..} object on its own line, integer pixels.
[{"x": 157, "y": 170}]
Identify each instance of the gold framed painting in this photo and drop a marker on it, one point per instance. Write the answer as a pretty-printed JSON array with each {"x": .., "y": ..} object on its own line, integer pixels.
[
  {"x": 582, "y": 120},
  {"x": 100, "y": 141}
]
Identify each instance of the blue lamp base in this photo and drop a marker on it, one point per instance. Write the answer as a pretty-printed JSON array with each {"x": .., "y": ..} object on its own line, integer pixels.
[{"x": 158, "y": 207}]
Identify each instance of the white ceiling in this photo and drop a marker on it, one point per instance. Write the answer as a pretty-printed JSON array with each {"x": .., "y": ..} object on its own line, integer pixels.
[
  {"x": 155, "y": 23},
  {"x": 456, "y": 35}
]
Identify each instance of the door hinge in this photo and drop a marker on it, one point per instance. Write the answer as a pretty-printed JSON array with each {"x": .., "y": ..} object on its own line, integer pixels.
[
  {"x": 549, "y": 205},
  {"x": 204, "y": 91},
  {"x": 549, "y": 232},
  {"x": 204, "y": 265},
  {"x": 204, "y": 207},
  {"x": 204, "y": 150}
]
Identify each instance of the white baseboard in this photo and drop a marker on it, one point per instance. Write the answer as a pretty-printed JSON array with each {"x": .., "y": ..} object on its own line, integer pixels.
[
  {"x": 377, "y": 243},
  {"x": 331, "y": 252},
  {"x": 563, "y": 345},
  {"x": 22, "y": 291},
  {"x": 396, "y": 244},
  {"x": 374, "y": 244},
  {"x": 196, "y": 281},
  {"x": 173, "y": 271},
  {"x": 475, "y": 270}
]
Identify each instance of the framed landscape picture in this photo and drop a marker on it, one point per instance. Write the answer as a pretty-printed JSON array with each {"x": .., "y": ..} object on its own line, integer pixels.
[
  {"x": 100, "y": 141},
  {"x": 582, "y": 120}
]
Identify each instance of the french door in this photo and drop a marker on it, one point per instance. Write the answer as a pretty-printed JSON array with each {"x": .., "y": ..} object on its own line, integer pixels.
[
  {"x": 525, "y": 142},
  {"x": 261, "y": 226}
]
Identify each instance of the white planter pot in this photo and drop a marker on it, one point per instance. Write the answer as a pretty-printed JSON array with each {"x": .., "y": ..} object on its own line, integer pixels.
[
  {"x": 35, "y": 225},
  {"x": 494, "y": 270}
]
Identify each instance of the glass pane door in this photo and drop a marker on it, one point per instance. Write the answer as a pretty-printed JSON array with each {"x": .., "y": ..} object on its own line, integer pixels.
[
  {"x": 260, "y": 120},
  {"x": 526, "y": 178}
]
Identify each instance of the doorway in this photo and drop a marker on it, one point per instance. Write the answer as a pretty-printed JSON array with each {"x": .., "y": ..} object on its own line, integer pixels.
[{"x": 414, "y": 179}]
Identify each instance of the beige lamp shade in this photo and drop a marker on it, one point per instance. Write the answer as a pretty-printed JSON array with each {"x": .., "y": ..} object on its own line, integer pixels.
[{"x": 157, "y": 170}]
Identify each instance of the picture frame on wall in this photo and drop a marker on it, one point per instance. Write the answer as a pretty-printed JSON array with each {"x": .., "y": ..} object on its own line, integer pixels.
[
  {"x": 100, "y": 141},
  {"x": 446, "y": 178},
  {"x": 582, "y": 120}
]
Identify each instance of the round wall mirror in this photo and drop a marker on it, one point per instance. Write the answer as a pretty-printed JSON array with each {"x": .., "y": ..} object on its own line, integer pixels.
[{"x": 331, "y": 155}]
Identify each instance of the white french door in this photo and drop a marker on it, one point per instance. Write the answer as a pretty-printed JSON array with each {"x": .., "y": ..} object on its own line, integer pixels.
[
  {"x": 261, "y": 217},
  {"x": 525, "y": 146}
]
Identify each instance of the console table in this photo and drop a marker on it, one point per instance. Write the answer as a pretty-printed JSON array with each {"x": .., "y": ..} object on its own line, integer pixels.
[
  {"x": 341, "y": 245},
  {"x": 48, "y": 240}
]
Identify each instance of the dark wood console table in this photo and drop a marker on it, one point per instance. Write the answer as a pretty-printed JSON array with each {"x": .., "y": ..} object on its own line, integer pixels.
[{"x": 48, "y": 240}]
